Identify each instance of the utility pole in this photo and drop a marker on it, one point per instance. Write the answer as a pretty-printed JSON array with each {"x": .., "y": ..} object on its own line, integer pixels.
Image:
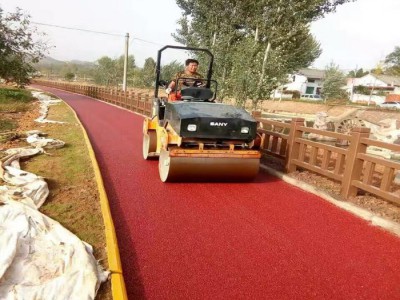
[
  {"x": 126, "y": 61},
  {"x": 372, "y": 91}
]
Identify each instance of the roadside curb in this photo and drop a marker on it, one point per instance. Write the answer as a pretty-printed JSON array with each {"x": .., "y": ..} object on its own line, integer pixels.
[
  {"x": 364, "y": 214},
  {"x": 118, "y": 288}
]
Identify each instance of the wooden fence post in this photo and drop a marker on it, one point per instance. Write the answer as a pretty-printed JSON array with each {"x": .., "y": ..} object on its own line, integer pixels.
[
  {"x": 293, "y": 147},
  {"x": 130, "y": 99},
  {"x": 96, "y": 92},
  {"x": 101, "y": 93},
  {"x": 114, "y": 93},
  {"x": 119, "y": 97},
  {"x": 147, "y": 106},
  {"x": 125, "y": 95},
  {"x": 256, "y": 114},
  {"x": 353, "y": 167},
  {"x": 108, "y": 97},
  {"x": 138, "y": 100}
]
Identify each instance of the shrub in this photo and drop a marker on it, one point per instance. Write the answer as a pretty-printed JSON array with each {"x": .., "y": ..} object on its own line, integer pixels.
[{"x": 9, "y": 95}]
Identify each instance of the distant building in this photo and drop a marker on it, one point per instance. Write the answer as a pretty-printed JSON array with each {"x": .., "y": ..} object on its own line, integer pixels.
[
  {"x": 373, "y": 88},
  {"x": 391, "y": 84},
  {"x": 304, "y": 81},
  {"x": 309, "y": 81}
]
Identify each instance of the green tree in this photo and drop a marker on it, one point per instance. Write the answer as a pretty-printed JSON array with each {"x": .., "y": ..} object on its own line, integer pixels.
[
  {"x": 357, "y": 73},
  {"x": 149, "y": 71},
  {"x": 169, "y": 71},
  {"x": 335, "y": 80},
  {"x": 145, "y": 77},
  {"x": 105, "y": 72},
  {"x": 110, "y": 71},
  {"x": 18, "y": 49},
  {"x": 69, "y": 76},
  {"x": 392, "y": 62},
  {"x": 379, "y": 69},
  {"x": 360, "y": 89},
  {"x": 256, "y": 42}
]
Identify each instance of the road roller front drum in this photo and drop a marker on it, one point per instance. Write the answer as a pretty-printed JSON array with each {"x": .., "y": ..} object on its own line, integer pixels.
[
  {"x": 149, "y": 144},
  {"x": 218, "y": 169}
]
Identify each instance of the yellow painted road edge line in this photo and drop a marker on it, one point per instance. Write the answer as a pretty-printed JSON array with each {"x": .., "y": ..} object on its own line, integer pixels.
[{"x": 118, "y": 288}]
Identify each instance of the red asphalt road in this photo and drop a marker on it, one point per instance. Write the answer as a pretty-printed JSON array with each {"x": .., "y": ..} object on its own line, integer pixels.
[{"x": 259, "y": 240}]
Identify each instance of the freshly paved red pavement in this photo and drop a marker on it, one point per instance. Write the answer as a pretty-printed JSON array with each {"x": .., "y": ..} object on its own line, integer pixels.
[{"x": 259, "y": 240}]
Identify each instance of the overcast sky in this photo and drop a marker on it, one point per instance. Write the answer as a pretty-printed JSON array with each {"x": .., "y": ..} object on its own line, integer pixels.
[{"x": 359, "y": 34}]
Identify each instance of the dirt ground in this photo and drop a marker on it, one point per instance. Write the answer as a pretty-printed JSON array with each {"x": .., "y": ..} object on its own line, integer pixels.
[{"x": 25, "y": 121}]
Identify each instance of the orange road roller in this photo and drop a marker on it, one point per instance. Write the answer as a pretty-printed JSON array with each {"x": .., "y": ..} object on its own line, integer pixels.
[{"x": 196, "y": 139}]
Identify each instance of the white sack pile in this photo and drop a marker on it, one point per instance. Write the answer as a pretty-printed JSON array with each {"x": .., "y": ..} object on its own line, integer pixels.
[
  {"x": 39, "y": 259},
  {"x": 33, "y": 187},
  {"x": 38, "y": 141},
  {"x": 45, "y": 102}
]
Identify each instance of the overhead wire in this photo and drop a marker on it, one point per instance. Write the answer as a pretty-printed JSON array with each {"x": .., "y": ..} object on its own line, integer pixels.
[
  {"x": 78, "y": 29},
  {"x": 145, "y": 41},
  {"x": 98, "y": 32}
]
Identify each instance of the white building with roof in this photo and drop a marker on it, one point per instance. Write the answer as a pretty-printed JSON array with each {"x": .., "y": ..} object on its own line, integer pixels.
[
  {"x": 379, "y": 82},
  {"x": 305, "y": 81},
  {"x": 378, "y": 86}
]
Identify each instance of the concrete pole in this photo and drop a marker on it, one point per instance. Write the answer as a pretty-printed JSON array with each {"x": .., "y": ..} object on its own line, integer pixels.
[
  {"x": 126, "y": 61},
  {"x": 352, "y": 90},
  {"x": 372, "y": 90}
]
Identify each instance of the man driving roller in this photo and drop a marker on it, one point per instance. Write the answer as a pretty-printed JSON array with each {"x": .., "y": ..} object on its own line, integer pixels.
[{"x": 187, "y": 77}]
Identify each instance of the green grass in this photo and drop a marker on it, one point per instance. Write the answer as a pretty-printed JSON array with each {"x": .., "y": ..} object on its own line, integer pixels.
[
  {"x": 7, "y": 125},
  {"x": 73, "y": 199},
  {"x": 14, "y": 100},
  {"x": 75, "y": 158},
  {"x": 7, "y": 94}
]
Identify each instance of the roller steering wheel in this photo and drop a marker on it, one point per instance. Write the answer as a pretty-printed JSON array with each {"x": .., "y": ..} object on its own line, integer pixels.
[{"x": 196, "y": 83}]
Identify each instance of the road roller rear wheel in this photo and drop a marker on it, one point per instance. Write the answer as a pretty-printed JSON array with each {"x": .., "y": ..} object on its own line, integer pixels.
[
  {"x": 149, "y": 144},
  {"x": 206, "y": 168}
]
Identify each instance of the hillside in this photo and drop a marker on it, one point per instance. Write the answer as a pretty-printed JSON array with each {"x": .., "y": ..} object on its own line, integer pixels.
[
  {"x": 49, "y": 61},
  {"x": 54, "y": 69}
]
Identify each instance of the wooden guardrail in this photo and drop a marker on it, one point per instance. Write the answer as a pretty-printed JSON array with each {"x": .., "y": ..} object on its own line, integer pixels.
[
  {"x": 130, "y": 100},
  {"x": 351, "y": 166}
]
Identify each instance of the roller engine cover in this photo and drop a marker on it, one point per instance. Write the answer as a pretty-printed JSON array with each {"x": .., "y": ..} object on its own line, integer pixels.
[{"x": 213, "y": 121}]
